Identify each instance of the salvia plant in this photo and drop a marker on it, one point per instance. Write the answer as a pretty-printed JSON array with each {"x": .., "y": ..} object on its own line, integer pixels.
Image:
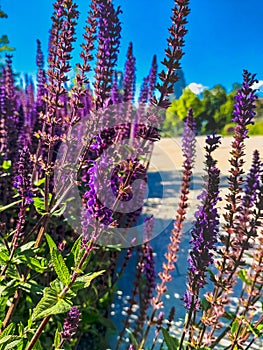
[{"x": 74, "y": 155}]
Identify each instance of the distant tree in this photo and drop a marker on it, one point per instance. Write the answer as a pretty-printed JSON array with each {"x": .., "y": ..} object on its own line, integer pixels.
[
  {"x": 224, "y": 114},
  {"x": 259, "y": 109},
  {"x": 212, "y": 111},
  {"x": 4, "y": 41},
  {"x": 212, "y": 100},
  {"x": 178, "y": 111}
]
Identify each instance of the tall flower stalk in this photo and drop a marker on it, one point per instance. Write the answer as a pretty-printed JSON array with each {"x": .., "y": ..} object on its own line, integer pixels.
[
  {"x": 233, "y": 248},
  {"x": 188, "y": 146},
  {"x": 174, "y": 52},
  {"x": 109, "y": 29},
  {"x": 204, "y": 237}
]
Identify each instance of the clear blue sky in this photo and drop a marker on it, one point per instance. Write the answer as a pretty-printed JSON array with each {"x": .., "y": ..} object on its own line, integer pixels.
[{"x": 224, "y": 36}]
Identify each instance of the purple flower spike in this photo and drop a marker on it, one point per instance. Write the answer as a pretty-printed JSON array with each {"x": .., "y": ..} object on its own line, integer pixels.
[
  {"x": 252, "y": 184},
  {"x": 71, "y": 323},
  {"x": 22, "y": 180},
  {"x": 108, "y": 48},
  {"x": 189, "y": 135},
  {"x": 41, "y": 78},
  {"x": 129, "y": 76},
  {"x": 205, "y": 230},
  {"x": 244, "y": 108},
  {"x": 153, "y": 77}
]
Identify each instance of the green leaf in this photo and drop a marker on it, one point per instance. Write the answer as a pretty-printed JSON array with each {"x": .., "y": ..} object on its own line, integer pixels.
[
  {"x": 74, "y": 252},
  {"x": 4, "y": 258},
  {"x": 6, "y": 164},
  {"x": 171, "y": 342},
  {"x": 50, "y": 298},
  {"x": 13, "y": 344},
  {"x": 32, "y": 263},
  {"x": 60, "y": 267},
  {"x": 5, "y": 207},
  {"x": 57, "y": 338},
  {"x": 229, "y": 315},
  {"x": 39, "y": 204},
  {"x": 242, "y": 274},
  {"x": 9, "y": 329},
  {"x": 25, "y": 247},
  {"x": 234, "y": 326},
  {"x": 78, "y": 253},
  {"x": 60, "y": 211},
  {"x": 50, "y": 242},
  {"x": 133, "y": 340},
  {"x": 61, "y": 307},
  {"x": 9, "y": 338},
  {"x": 205, "y": 304},
  {"x": 40, "y": 182},
  {"x": 87, "y": 279},
  {"x": 51, "y": 304}
]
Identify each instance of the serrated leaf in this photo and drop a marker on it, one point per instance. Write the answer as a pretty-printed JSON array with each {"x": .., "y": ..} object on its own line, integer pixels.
[
  {"x": 9, "y": 329},
  {"x": 25, "y": 247},
  {"x": 4, "y": 258},
  {"x": 78, "y": 254},
  {"x": 171, "y": 342},
  {"x": 76, "y": 250},
  {"x": 9, "y": 338},
  {"x": 32, "y": 263},
  {"x": 60, "y": 267},
  {"x": 71, "y": 259},
  {"x": 50, "y": 298},
  {"x": 87, "y": 279},
  {"x": 61, "y": 307},
  {"x": 13, "y": 344},
  {"x": 50, "y": 242},
  {"x": 50, "y": 304}
]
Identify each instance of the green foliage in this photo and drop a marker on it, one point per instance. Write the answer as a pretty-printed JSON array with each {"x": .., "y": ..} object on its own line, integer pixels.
[
  {"x": 85, "y": 280},
  {"x": 223, "y": 115},
  {"x": 256, "y": 129},
  {"x": 51, "y": 303},
  {"x": 171, "y": 342},
  {"x": 132, "y": 338},
  {"x": 178, "y": 111},
  {"x": 213, "y": 110},
  {"x": 58, "y": 262},
  {"x": 4, "y": 42}
]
